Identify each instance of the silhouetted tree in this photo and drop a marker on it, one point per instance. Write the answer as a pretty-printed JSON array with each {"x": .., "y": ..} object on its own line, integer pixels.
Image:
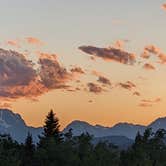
[
  {"x": 29, "y": 149},
  {"x": 51, "y": 128}
]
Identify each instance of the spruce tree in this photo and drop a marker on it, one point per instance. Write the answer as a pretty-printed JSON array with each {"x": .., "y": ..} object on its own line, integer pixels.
[
  {"x": 29, "y": 146},
  {"x": 52, "y": 128},
  {"x": 28, "y": 153}
]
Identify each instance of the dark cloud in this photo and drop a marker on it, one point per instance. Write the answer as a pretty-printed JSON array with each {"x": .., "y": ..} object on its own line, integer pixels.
[
  {"x": 104, "y": 80},
  {"x": 52, "y": 74},
  {"x": 95, "y": 88},
  {"x": 90, "y": 101},
  {"x": 15, "y": 69},
  {"x": 111, "y": 53},
  {"x": 77, "y": 70},
  {"x": 20, "y": 78},
  {"x": 127, "y": 85}
]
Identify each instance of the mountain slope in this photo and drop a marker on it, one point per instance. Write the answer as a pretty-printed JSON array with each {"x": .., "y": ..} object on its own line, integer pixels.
[
  {"x": 120, "y": 129},
  {"x": 159, "y": 123},
  {"x": 13, "y": 124}
]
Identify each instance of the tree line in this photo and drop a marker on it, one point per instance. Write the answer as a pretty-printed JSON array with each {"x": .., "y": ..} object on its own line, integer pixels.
[{"x": 57, "y": 149}]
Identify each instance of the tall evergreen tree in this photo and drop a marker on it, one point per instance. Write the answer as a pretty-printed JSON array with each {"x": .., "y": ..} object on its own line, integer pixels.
[
  {"x": 29, "y": 149},
  {"x": 51, "y": 127},
  {"x": 29, "y": 146}
]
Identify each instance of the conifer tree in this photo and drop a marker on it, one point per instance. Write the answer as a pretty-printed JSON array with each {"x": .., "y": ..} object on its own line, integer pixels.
[
  {"x": 29, "y": 149},
  {"x": 51, "y": 128},
  {"x": 29, "y": 146}
]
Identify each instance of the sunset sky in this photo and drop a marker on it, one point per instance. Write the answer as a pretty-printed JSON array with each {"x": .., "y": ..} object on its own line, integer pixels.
[{"x": 102, "y": 62}]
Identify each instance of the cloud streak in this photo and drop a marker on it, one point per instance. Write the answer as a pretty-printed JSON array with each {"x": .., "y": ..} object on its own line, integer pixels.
[
  {"x": 148, "y": 102},
  {"x": 127, "y": 85},
  {"x": 110, "y": 54},
  {"x": 33, "y": 41}
]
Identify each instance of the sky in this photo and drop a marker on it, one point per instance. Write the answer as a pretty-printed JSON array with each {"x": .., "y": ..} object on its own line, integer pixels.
[{"x": 102, "y": 62}]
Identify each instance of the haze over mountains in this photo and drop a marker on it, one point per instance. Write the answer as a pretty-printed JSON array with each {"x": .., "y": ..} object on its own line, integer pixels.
[{"x": 121, "y": 134}]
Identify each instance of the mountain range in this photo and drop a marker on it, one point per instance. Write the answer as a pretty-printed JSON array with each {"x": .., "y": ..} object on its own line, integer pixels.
[{"x": 121, "y": 134}]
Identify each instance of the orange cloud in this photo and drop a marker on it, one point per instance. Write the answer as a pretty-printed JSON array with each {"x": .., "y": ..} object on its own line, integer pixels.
[
  {"x": 148, "y": 102},
  {"x": 145, "y": 55},
  {"x": 162, "y": 58},
  {"x": 152, "y": 49},
  {"x": 148, "y": 66},
  {"x": 33, "y": 41},
  {"x": 163, "y": 6},
  {"x": 151, "y": 101},
  {"x": 20, "y": 78},
  {"x": 5, "y": 105},
  {"x": 136, "y": 93},
  {"x": 145, "y": 105},
  {"x": 14, "y": 43}
]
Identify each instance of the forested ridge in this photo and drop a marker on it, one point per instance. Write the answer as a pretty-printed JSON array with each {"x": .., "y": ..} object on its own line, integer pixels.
[{"x": 57, "y": 149}]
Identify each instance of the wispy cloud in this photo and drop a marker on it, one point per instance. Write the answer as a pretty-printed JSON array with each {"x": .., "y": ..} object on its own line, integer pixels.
[
  {"x": 33, "y": 41},
  {"x": 14, "y": 43},
  {"x": 148, "y": 102}
]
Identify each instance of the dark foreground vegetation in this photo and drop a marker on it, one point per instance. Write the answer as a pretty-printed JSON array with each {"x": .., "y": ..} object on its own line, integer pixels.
[{"x": 57, "y": 149}]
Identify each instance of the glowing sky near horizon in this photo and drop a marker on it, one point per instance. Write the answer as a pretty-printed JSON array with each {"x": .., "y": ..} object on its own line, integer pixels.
[{"x": 95, "y": 37}]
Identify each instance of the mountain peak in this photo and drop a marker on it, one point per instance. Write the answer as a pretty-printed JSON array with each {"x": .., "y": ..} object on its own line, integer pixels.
[
  {"x": 10, "y": 117},
  {"x": 13, "y": 124}
]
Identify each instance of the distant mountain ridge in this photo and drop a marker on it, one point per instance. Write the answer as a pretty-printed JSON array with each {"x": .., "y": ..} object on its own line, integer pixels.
[
  {"x": 13, "y": 124},
  {"x": 128, "y": 130}
]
